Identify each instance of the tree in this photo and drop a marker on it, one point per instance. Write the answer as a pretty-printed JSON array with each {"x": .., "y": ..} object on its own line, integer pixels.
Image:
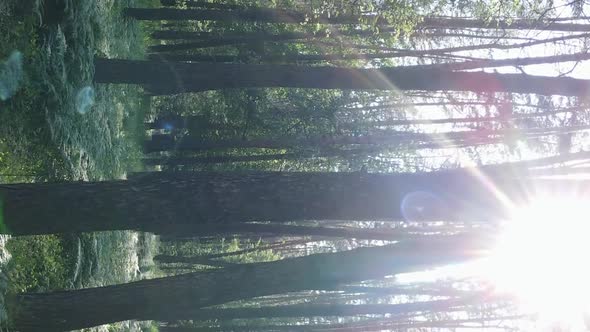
[
  {"x": 377, "y": 137},
  {"x": 186, "y": 201},
  {"x": 174, "y": 161},
  {"x": 223, "y": 40},
  {"x": 161, "y": 78},
  {"x": 171, "y": 297},
  {"x": 276, "y": 15},
  {"x": 324, "y": 310},
  {"x": 290, "y": 230}
]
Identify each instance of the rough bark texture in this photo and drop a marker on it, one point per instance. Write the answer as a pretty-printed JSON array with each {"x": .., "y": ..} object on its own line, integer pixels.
[
  {"x": 183, "y": 202},
  {"x": 221, "y": 40},
  {"x": 389, "y": 138},
  {"x": 168, "y": 298},
  {"x": 325, "y": 310},
  {"x": 162, "y": 78},
  {"x": 275, "y": 15}
]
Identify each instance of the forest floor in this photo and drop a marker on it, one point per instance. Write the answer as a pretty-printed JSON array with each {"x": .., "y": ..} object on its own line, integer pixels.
[{"x": 55, "y": 124}]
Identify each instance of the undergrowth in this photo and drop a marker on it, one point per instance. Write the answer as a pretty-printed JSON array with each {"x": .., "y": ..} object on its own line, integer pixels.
[{"x": 43, "y": 134}]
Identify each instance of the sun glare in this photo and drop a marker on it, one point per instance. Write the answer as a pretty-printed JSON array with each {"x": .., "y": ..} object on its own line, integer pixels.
[{"x": 541, "y": 259}]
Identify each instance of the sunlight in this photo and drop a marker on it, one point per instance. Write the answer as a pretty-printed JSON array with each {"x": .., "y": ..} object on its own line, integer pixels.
[{"x": 541, "y": 260}]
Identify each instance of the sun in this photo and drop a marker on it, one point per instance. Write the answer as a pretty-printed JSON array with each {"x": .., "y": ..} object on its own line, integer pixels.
[{"x": 542, "y": 259}]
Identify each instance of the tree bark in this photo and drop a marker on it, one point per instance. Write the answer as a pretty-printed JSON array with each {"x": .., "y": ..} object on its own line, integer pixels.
[
  {"x": 510, "y": 118},
  {"x": 387, "y": 54},
  {"x": 297, "y": 57},
  {"x": 169, "y": 298},
  {"x": 275, "y": 15},
  {"x": 516, "y": 62},
  {"x": 378, "y": 137},
  {"x": 185, "y": 201},
  {"x": 290, "y": 230},
  {"x": 517, "y": 24},
  {"x": 327, "y": 310},
  {"x": 161, "y": 78},
  {"x": 221, "y": 41},
  {"x": 174, "y": 161}
]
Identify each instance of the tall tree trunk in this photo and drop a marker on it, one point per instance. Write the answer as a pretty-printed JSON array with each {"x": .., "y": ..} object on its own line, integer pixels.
[
  {"x": 376, "y": 325},
  {"x": 167, "y": 298},
  {"x": 221, "y": 41},
  {"x": 215, "y": 43},
  {"x": 275, "y": 15},
  {"x": 300, "y": 57},
  {"x": 510, "y": 118},
  {"x": 517, "y": 24},
  {"x": 290, "y": 230},
  {"x": 184, "y": 201},
  {"x": 448, "y": 50},
  {"x": 377, "y": 137},
  {"x": 515, "y": 62},
  {"x": 174, "y": 161},
  {"x": 389, "y": 53},
  {"x": 328, "y": 310},
  {"x": 162, "y": 78}
]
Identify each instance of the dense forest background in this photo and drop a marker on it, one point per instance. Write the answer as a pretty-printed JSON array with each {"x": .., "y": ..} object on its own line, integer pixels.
[{"x": 276, "y": 165}]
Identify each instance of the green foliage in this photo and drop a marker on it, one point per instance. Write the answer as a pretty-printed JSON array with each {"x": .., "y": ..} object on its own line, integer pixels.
[
  {"x": 43, "y": 137},
  {"x": 39, "y": 263},
  {"x": 24, "y": 155}
]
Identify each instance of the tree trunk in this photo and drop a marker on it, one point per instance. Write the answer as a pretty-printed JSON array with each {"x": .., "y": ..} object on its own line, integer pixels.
[
  {"x": 290, "y": 230},
  {"x": 221, "y": 41},
  {"x": 510, "y": 118},
  {"x": 174, "y": 161},
  {"x": 275, "y": 15},
  {"x": 297, "y": 57},
  {"x": 517, "y": 24},
  {"x": 162, "y": 78},
  {"x": 184, "y": 201},
  {"x": 327, "y": 310},
  {"x": 516, "y": 62},
  {"x": 390, "y": 53},
  {"x": 169, "y": 298},
  {"x": 378, "y": 137}
]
